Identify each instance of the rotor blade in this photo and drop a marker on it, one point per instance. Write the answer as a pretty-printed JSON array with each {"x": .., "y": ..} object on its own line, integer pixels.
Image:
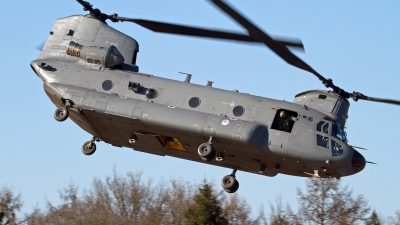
[
  {"x": 201, "y": 32},
  {"x": 357, "y": 95},
  {"x": 289, "y": 57},
  {"x": 277, "y": 48},
  {"x": 86, "y": 5},
  {"x": 40, "y": 46}
]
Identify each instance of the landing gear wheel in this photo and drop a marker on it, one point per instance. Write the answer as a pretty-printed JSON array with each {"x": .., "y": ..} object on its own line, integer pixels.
[
  {"x": 230, "y": 184},
  {"x": 61, "y": 114},
  {"x": 88, "y": 148},
  {"x": 234, "y": 189},
  {"x": 206, "y": 152}
]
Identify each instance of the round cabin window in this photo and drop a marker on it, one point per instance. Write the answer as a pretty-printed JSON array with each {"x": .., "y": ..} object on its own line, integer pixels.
[
  {"x": 107, "y": 85},
  {"x": 194, "y": 102},
  {"x": 150, "y": 93},
  {"x": 238, "y": 110}
]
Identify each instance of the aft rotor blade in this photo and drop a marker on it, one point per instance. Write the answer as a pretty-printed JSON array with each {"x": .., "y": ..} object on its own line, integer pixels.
[
  {"x": 201, "y": 32},
  {"x": 86, "y": 5}
]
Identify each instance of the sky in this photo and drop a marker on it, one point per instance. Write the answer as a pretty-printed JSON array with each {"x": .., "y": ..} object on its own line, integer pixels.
[{"x": 356, "y": 43}]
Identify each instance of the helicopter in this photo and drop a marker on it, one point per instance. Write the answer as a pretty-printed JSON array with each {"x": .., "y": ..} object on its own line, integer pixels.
[{"x": 89, "y": 72}]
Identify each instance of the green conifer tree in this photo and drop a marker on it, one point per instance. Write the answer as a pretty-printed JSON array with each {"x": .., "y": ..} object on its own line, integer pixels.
[
  {"x": 205, "y": 209},
  {"x": 373, "y": 220}
]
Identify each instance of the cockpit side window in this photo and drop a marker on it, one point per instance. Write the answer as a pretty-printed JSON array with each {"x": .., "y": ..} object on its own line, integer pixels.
[
  {"x": 284, "y": 120},
  {"x": 338, "y": 132},
  {"x": 337, "y": 149},
  {"x": 323, "y": 127},
  {"x": 322, "y": 141},
  {"x": 322, "y": 137}
]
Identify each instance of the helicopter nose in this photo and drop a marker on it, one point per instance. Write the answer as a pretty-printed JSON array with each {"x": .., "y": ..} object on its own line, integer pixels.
[{"x": 358, "y": 161}]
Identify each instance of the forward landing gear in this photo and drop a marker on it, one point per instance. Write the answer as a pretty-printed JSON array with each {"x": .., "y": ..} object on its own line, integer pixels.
[
  {"x": 89, "y": 147},
  {"x": 206, "y": 151},
  {"x": 229, "y": 182},
  {"x": 61, "y": 114}
]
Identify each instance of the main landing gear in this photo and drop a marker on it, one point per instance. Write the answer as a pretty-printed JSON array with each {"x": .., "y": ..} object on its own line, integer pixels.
[
  {"x": 89, "y": 147},
  {"x": 229, "y": 182},
  {"x": 206, "y": 150},
  {"x": 61, "y": 114}
]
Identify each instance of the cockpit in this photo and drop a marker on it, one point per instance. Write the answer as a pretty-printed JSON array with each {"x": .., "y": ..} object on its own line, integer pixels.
[{"x": 330, "y": 136}]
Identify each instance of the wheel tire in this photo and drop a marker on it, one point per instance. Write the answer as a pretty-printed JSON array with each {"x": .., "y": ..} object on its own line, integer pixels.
[
  {"x": 228, "y": 190},
  {"x": 61, "y": 114},
  {"x": 88, "y": 150},
  {"x": 228, "y": 182},
  {"x": 206, "y": 150},
  {"x": 233, "y": 190}
]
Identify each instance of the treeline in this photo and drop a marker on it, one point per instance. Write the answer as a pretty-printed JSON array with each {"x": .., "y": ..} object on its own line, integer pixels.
[{"x": 127, "y": 199}]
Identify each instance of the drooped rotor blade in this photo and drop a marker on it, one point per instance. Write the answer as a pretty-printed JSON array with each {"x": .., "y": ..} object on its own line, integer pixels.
[
  {"x": 279, "y": 49},
  {"x": 357, "y": 95},
  {"x": 201, "y": 32},
  {"x": 289, "y": 57}
]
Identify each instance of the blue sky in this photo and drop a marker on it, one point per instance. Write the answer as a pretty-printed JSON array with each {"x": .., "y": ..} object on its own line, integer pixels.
[{"x": 356, "y": 43}]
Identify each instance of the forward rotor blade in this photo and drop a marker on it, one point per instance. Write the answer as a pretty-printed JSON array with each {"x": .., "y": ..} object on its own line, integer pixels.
[
  {"x": 357, "y": 95},
  {"x": 201, "y": 32},
  {"x": 276, "y": 47}
]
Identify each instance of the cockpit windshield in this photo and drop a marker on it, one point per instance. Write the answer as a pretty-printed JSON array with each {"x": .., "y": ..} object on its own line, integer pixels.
[{"x": 338, "y": 132}]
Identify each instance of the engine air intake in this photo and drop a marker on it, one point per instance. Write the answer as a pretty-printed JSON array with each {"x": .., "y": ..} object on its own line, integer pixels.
[{"x": 106, "y": 57}]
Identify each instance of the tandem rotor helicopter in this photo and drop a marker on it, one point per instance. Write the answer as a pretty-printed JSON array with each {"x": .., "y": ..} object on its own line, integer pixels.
[{"x": 89, "y": 72}]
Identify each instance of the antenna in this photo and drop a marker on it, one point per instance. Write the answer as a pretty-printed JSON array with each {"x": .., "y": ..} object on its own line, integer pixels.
[{"x": 188, "y": 77}]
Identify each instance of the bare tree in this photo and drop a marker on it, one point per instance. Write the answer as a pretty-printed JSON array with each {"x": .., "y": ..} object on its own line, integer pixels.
[
  {"x": 118, "y": 199},
  {"x": 325, "y": 202},
  {"x": 394, "y": 220},
  {"x": 10, "y": 203},
  {"x": 278, "y": 215},
  {"x": 237, "y": 211}
]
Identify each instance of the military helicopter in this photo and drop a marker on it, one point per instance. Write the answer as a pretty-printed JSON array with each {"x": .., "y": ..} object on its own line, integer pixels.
[{"x": 89, "y": 72}]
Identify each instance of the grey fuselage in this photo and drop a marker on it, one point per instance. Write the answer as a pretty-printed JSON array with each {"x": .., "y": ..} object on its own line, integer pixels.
[{"x": 249, "y": 141}]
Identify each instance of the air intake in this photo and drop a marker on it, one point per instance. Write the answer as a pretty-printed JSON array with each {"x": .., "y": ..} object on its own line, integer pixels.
[{"x": 74, "y": 49}]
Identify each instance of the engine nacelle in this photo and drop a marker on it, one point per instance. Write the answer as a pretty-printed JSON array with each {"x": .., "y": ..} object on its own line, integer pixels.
[{"x": 101, "y": 56}]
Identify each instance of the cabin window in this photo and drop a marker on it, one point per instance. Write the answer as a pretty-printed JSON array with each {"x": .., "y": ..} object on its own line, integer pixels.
[
  {"x": 194, "y": 102},
  {"x": 322, "y": 141},
  {"x": 284, "y": 120},
  {"x": 238, "y": 110},
  {"x": 337, "y": 149},
  {"x": 107, "y": 85}
]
